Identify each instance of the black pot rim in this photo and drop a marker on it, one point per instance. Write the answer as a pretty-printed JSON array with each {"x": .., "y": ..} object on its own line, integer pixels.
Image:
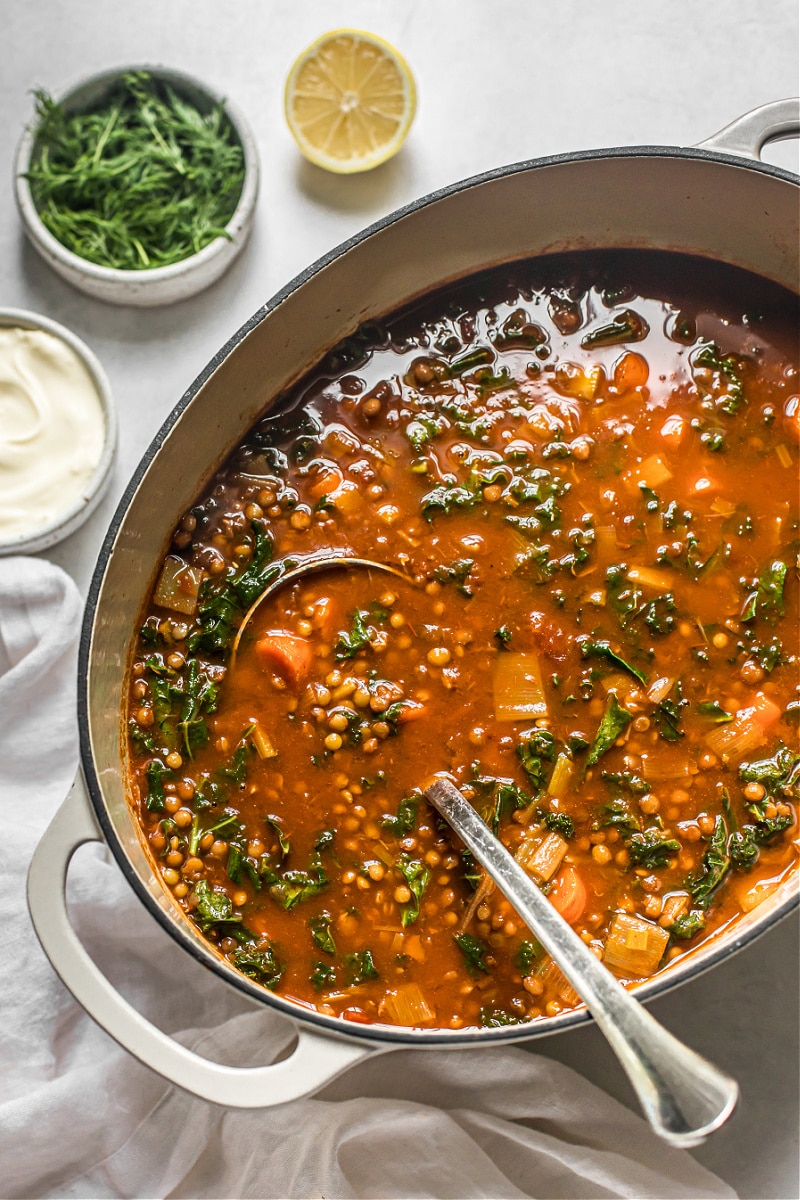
[{"x": 335, "y": 1026}]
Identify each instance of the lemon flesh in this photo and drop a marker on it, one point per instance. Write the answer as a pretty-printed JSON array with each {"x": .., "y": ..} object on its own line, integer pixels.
[{"x": 350, "y": 100}]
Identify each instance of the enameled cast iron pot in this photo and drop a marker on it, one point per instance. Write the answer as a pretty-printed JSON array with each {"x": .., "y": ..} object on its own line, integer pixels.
[{"x": 716, "y": 200}]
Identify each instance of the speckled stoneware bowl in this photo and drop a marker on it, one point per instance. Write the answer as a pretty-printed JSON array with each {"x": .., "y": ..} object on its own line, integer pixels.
[{"x": 161, "y": 285}]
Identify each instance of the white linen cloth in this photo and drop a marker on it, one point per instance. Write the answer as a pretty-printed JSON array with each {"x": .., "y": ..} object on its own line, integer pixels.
[{"x": 80, "y": 1118}]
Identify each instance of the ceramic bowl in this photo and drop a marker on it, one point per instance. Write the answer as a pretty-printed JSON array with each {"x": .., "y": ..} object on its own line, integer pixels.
[
  {"x": 161, "y": 285},
  {"x": 73, "y": 516}
]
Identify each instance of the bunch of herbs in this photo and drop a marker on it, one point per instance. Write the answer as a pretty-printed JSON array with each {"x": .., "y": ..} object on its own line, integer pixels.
[{"x": 143, "y": 181}]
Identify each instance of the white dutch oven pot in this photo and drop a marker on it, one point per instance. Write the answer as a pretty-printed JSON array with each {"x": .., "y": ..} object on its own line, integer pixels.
[{"x": 716, "y": 200}]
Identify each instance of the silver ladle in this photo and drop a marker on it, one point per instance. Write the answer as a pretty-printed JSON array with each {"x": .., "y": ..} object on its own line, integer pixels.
[
  {"x": 683, "y": 1096},
  {"x": 311, "y": 566}
]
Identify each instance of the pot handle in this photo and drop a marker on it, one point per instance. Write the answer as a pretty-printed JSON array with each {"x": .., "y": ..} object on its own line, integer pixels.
[
  {"x": 314, "y": 1061},
  {"x": 747, "y": 135}
]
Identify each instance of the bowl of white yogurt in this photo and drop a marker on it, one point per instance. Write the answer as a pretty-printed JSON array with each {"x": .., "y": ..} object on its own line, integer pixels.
[{"x": 58, "y": 432}]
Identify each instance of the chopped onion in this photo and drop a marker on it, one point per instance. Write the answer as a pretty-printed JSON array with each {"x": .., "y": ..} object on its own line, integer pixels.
[
  {"x": 657, "y": 770},
  {"x": 723, "y": 507},
  {"x": 541, "y": 856},
  {"x": 484, "y": 889},
  {"x": 262, "y": 743},
  {"x": 674, "y": 906},
  {"x": 383, "y": 853},
  {"x": 605, "y": 541},
  {"x": 406, "y": 1005},
  {"x": 784, "y": 457},
  {"x": 178, "y": 586},
  {"x": 518, "y": 691},
  {"x": 551, "y": 975},
  {"x": 413, "y": 947},
  {"x": 562, "y": 774},
  {"x": 659, "y": 581},
  {"x": 739, "y": 736},
  {"x": 660, "y": 689},
  {"x": 757, "y": 893},
  {"x": 634, "y": 946}
]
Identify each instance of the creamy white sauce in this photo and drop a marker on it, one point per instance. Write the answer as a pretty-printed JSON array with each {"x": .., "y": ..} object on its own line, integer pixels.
[{"x": 52, "y": 430}]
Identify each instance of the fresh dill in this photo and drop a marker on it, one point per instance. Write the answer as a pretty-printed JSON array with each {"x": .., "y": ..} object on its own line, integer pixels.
[{"x": 144, "y": 181}]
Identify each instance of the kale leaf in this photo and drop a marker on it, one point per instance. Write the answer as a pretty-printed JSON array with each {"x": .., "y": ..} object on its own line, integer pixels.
[
  {"x": 687, "y": 925},
  {"x": 259, "y": 573},
  {"x": 417, "y": 877},
  {"x": 728, "y": 388},
  {"x": 214, "y": 908},
  {"x": 615, "y": 720},
  {"x": 198, "y": 696},
  {"x": 155, "y": 772},
  {"x": 262, "y": 965},
  {"x": 668, "y": 715},
  {"x": 406, "y": 817},
  {"x": 559, "y": 823},
  {"x": 495, "y": 1018},
  {"x": 703, "y": 883},
  {"x": 235, "y": 769},
  {"x": 323, "y": 976},
  {"x": 292, "y": 887},
  {"x": 443, "y": 500},
  {"x": 527, "y": 956},
  {"x": 536, "y": 747},
  {"x": 715, "y": 711},
  {"x": 321, "y": 932},
  {"x": 619, "y": 814},
  {"x": 457, "y": 572},
  {"x": 627, "y": 781},
  {"x": 474, "y": 951},
  {"x": 651, "y": 850},
  {"x": 767, "y": 599},
  {"x": 502, "y": 796},
  {"x": 350, "y": 643},
  {"x": 360, "y": 967},
  {"x": 602, "y": 649}
]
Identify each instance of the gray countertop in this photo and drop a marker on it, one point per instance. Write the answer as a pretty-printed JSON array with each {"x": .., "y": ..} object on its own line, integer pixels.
[{"x": 497, "y": 83}]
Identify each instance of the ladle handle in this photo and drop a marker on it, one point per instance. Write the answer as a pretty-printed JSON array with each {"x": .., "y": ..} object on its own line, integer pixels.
[{"x": 683, "y": 1096}]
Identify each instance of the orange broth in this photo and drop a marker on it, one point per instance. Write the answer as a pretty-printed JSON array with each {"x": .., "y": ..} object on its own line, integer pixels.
[{"x": 586, "y": 469}]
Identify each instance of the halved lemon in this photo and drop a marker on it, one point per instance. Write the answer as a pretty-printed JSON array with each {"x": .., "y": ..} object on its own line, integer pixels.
[{"x": 350, "y": 100}]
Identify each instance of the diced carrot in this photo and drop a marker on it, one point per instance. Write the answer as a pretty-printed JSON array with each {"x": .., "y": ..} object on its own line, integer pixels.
[
  {"x": 568, "y": 894},
  {"x": 325, "y": 483},
  {"x": 410, "y": 711},
  {"x": 357, "y": 1015},
  {"x": 673, "y": 431},
  {"x": 765, "y": 712},
  {"x": 285, "y": 653},
  {"x": 705, "y": 486},
  {"x": 348, "y": 497}
]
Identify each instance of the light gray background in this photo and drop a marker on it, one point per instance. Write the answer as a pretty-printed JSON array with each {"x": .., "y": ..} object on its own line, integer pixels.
[{"x": 497, "y": 82}]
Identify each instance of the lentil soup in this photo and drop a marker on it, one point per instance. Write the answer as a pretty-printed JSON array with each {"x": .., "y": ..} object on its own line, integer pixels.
[{"x": 586, "y": 469}]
